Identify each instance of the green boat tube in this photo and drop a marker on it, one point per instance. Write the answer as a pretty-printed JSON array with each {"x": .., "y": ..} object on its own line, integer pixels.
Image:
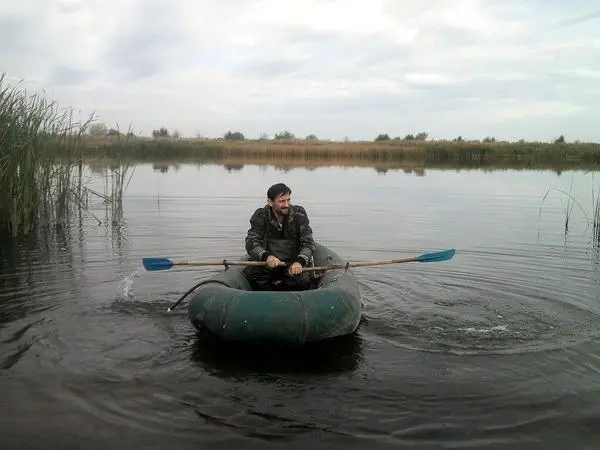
[{"x": 226, "y": 306}]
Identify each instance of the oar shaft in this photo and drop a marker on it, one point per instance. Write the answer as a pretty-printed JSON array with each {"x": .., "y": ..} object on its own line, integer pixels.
[
  {"x": 358, "y": 264},
  {"x": 153, "y": 264},
  {"x": 219, "y": 262}
]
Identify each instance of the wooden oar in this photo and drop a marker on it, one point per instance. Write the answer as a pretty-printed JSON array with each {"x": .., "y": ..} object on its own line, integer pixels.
[
  {"x": 443, "y": 255},
  {"x": 151, "y": 264}
]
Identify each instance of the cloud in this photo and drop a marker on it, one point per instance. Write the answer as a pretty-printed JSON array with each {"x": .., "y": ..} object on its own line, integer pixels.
[
  {"x": 69, "y": 76},
  {"x": 580, "y": 19},
  {"x": 145, "y": 40},
  {"x": 336, "y": 68}
]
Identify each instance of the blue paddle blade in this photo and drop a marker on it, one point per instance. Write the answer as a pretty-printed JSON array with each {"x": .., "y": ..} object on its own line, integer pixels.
[
  {"x": 151, "y": 264},
  {"x": 444, "y": 255}
]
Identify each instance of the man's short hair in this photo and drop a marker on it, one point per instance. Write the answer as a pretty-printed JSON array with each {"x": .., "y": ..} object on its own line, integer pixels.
[{"x": 277, "y": 189}]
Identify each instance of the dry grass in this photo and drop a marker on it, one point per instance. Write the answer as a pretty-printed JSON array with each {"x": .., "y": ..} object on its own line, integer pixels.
[{"x": 388, "y": 154}]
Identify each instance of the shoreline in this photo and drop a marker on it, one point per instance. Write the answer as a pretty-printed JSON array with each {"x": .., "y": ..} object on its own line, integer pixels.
[{"x": 403, "y": 155}]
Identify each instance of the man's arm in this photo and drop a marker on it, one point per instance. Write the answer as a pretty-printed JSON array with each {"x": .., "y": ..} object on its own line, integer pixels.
[
  {"x": 256, "y": 235},
  {"x": 307, "y": 243}
]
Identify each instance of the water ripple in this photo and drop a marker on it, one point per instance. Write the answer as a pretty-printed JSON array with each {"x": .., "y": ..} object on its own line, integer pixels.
[
  {"x": 523, "y": 304},
  {"x": 499, "y": 347}
]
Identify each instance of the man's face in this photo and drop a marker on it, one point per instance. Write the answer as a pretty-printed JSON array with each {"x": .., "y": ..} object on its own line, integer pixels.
[{"x": 281, "y": 204}]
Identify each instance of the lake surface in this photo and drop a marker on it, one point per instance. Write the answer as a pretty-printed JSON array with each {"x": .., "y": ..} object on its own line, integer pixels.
[{"x": 497, "y": 348}]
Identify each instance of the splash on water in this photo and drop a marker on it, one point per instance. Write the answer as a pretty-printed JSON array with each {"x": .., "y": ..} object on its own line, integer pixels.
[
  {"x": 484, "y": 330},
  {"x": 127, "y": 285}
]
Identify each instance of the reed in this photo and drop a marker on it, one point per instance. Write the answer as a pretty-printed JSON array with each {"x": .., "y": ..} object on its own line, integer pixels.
[
  {"x": 120, "y": 147},
  {"x": 595, "y": 214},
  {"x": 38, "y": 158},
  {"x": 117, "y": 177},
  {"x": 101, "y": 158},
  {"x": 463, "y": 153},
  {"x": 569, "y": 202},
  {"x": 116, "y": 173}
]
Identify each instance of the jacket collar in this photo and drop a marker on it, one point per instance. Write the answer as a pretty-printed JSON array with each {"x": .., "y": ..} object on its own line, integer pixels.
[{"x": 273, "y": 218}]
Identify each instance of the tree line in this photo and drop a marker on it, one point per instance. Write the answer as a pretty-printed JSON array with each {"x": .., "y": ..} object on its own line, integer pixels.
[{"x": 100, "y": 129}]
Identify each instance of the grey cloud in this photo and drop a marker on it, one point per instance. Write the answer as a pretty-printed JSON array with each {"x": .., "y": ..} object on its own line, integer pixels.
[
  {"x": 23, "y": 50},
  {"x": 69, "y": 76},
  {"x": 303, "y": 34},
  {"x": 17, "y": 34},
  {"x": 145, "y": 40},
  {"x": 315, "y": 43},
  {"x": 377, "y": 55},
  {"x": 26, "y": 51},
  {"x": 541, "y": 87},
  {"x": 407, "y": 11},
  {"x": 447, "y": 38},
  {"x": 580, "y": 19},
  {"x": 329, "y": 54},
  {"x": 447, "y": 81},
  {"x": 436, "y": 99},
  {"x": 71, "y": 7},
  {"x": 271, "y": 68},
  {"x": 377, "y": 50}
]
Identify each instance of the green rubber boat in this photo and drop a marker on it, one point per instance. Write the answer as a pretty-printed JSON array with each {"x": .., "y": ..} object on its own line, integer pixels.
[{"x": 226, "y": 306}]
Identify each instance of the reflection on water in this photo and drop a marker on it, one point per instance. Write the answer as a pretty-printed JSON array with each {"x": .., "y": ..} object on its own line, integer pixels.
[
  {"x": 496, "y": 348},
  {"x": 238, "y": 360}
]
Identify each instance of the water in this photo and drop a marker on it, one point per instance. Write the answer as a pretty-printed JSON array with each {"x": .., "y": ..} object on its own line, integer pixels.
[{"x": 497, "y": 348}]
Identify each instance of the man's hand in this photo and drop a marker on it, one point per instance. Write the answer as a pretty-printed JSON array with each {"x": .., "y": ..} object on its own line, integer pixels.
[
  {"x": 295, "y": 269},
  {"x": 273, "y": 261}
]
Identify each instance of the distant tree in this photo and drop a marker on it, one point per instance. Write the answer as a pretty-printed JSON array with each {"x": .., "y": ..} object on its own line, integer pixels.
[
  {"x": 160, "y": 133},
  {"x": 284, "y": 135},
  {"x": 234, "y": 136},
  {"x": 489, "y": 139},
  {"x": 263, "y": 137},
  {"x": 176, "y": 134},
  {"x": 98, "y": 129},
  {"x": 409, "y": 137},
  {"x": 421, "y": 136},
  {"x": 382, "y": 137},
  {"x": 113, "y": 132},
  {"x": 162, "y": 168},
  {"x": 458, "y": 139},
  {"x": 560, "y": 140},
  {"x": 233, "y": 167},
  {"x": 312, "y": 137}
]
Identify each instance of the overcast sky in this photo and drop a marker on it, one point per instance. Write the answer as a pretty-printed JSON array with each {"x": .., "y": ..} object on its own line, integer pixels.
[{"x": 337, "y": 68}]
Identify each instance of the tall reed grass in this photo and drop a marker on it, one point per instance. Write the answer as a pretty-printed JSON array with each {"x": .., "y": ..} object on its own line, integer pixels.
[
  {"x": 595, "y": 213},
  {"x": 116, "y": 173},
  {"x": 569, "y": 202},
  {"x": 38, "y": 160}
]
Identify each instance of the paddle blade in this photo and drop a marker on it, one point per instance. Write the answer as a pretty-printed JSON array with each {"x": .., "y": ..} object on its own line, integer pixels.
[
  {"x": 151, "y": 264},
  {"x": 444, "y": 255}
]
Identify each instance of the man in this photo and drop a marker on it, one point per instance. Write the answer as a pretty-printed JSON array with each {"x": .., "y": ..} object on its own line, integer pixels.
[{"x": 279, "y": 234}]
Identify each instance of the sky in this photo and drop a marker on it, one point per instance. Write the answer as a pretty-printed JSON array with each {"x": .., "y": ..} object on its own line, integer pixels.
[{"x": 340, "y": 69}]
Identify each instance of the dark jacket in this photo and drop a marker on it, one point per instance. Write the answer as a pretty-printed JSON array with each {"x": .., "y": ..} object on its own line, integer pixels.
[{"x": 292, "y": 240}]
